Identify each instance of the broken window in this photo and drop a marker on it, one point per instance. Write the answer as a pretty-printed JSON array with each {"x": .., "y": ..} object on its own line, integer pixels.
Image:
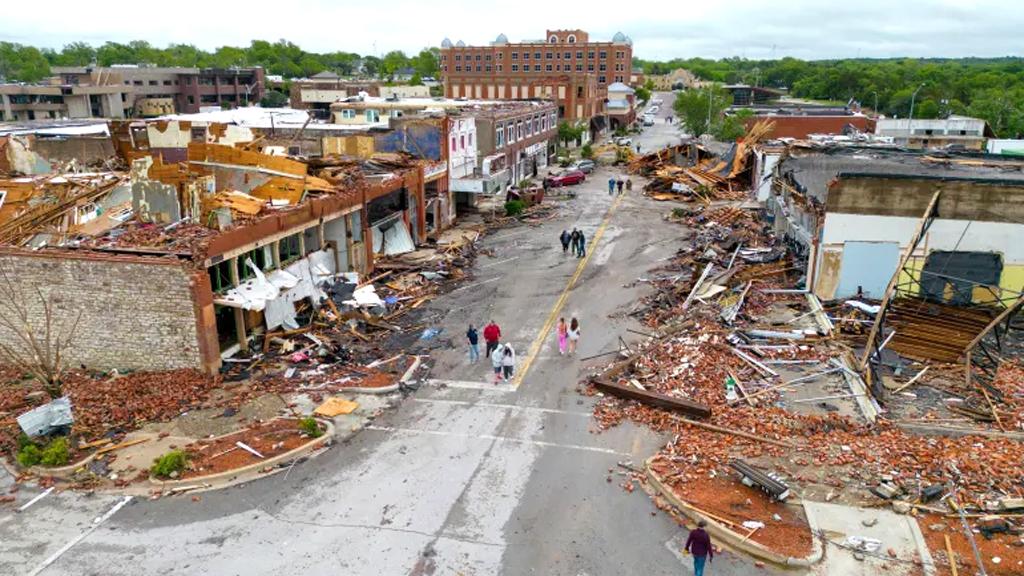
[
  {"x": 220, "y": 275},
  {"x": 259, "y": 257},
  {"x": 289, "y": 249}
]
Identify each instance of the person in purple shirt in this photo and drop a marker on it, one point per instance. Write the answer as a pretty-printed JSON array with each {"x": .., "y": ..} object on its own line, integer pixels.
[{"x": 699, "y": 544}]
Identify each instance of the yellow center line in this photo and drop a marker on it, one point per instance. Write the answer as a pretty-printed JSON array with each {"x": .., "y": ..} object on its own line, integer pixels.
[{"x": 538, "y": 343}]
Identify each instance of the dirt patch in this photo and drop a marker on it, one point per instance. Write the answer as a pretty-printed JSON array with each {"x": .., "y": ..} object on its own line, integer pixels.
[
  {"x": 730, "y": 500},
  {"x": 1007, "y": 547},
  {"x": 270, "y": 439}
]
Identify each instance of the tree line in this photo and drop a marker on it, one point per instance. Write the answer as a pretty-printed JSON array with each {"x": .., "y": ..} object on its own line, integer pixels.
[
  {"x": 989, "y": 88},
  {"x": 21, "y": 63}
]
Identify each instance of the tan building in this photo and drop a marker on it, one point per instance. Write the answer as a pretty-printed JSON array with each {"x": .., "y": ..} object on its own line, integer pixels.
[
  {"x": 677, "y": 79},
  {"x": 21, "y": 102}
]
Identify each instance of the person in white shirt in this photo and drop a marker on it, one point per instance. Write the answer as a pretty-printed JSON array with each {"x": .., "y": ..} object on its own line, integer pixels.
[{"x": 508, "y": 361}]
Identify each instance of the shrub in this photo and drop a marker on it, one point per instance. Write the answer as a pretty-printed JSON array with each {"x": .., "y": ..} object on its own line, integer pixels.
[
  {"x": 310, "y": 427},
  {"x": 514, "y": 207},
  {"x": 55, "y": 453},
  {"x": 166, "y": 465},
  {"x": 29, "y": 455},
  {"x": 587, "y": 151},
  {"x": 524, "y": 184}
]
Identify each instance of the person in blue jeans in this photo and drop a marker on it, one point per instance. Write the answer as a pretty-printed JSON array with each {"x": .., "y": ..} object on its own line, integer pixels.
[
  {"x": 699, "y": 544},
  {"x": 474, "y": 339},
  {"x": 611, "y": 186}
]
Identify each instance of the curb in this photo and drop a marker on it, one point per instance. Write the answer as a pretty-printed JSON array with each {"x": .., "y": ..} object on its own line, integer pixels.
[
  {"x": 62, "y": 472},
  {"x": 737, "y": 541},
  {"x": 386, "y": 389},
  {"x": 232, "y": 476}
]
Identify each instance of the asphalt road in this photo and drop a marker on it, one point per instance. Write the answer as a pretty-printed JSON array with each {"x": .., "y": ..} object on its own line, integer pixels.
[{"x": 463, "y": 477}]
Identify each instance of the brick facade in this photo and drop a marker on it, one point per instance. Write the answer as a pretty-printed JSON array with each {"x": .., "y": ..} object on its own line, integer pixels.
[
  {"x": 136, "y": 313},
  {"x": 566, "y": 67}
]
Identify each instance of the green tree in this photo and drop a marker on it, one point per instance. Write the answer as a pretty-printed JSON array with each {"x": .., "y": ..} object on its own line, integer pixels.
[
  {"x": 643, "y": 95},
  {"x": 22, "y": 63},
  {"x": 75, "y": 54},
  {"x": 371, "y": 66},
  {"x": 732, "y": 126},
  {"x": 699, "y": 108},
  {"x": 570, "y": 132},
  {"x": 426, "y": 62},
  {"x": 392, "y": 62},
  {"x": 274, "y": 99},
  {"x": 416, "y": 80}
]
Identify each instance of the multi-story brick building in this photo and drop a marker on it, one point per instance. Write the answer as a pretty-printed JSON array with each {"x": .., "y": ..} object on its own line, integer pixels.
[{"x": 565, "y": 67}]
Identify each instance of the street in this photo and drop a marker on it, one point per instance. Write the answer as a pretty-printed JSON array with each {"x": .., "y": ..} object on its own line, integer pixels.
[{"x": 462, "y": 477}]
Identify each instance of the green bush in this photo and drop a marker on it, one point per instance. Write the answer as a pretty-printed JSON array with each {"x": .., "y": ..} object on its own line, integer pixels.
[
  {"x": 29, "y": 455},
  {"x": 56, "y": 453},
  {"x": 310, "y": 427},
  {"x": 587, "y": 151},
  {"x": 524, "y": 184},
  {"x": 514, "y": 207},
  {"x": 173, "y": 461}
]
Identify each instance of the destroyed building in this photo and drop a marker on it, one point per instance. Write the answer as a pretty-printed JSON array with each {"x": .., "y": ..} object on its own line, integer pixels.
[
  {"x": 182, "y": 259},
  {"x": 850, "y": 212}
]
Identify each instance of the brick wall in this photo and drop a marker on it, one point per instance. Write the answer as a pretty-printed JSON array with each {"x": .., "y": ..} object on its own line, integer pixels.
[{"x": 136, "y": 313}]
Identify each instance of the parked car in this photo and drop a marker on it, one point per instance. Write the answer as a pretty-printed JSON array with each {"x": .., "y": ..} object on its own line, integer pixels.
[
  {"x": 585, "y": 166},
  {"x": 566, "y": 178},
  {"x": 623, "y": 141},
  {"x": 648, "y": 120}
]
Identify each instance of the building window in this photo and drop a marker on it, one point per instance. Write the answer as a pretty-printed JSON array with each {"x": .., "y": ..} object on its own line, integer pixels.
[
  {"x": 487, "y": 58},
  {"x": 536, "y": 55},
  {"x": 603, "y": 54},
  {"x": 579, "y": 67},
  {"x": 220, "y": 275},
  {"x": 568, "y": 55},
  {"x": 603, "y": 67},
  {"x": 600, "y": 79},
  {"x": 579, "y": 55},
  {"x": 549, "y": 55},
  {"x": 515, "y": 55},
  {"x": 548, "y": 67},
  {"x": 590, "y": 67},
  {"x": 259, "y": 259},
  {"x": 515, "y": 67},
  {"x": 458, "y": 68},
  {"x": 445, "y": 67},
  {"x": 488, "y": 68},
  {"x": 499, "y": 137},
  {"x": 553, "y": 39},
  {"x": 444, "y": 57},
  {"x": 501, "y": 55},
  {"x": 510, "y": 135},
  {"x": 454, "y": 142},
  {"x": 590, "y": 54},
  {"x": 372, "y": 116},
  {"x": 137, "y": 82},
  {"x": 289, "y": 249},
  {"x": 499, "y": 67},
  {"x": 477, "y": 67},
  {"x": 477, "y": 57},
  {"x": 526, "y": 55},
  {"x": 536, "y": 67},
  {"x": 458, "y": 57},
  {"x": 462, "y": 142},
  {"x": 571, "y": 38},
  {"x": 519, "y": 130},
  {"x": 167, "y": 82},
  {"x": 348, "y": 114}
]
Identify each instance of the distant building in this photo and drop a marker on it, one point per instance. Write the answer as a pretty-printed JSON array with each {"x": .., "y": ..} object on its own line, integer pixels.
[
  {"x": 802, "y": 126},
  {"x": 678, "y": 79},
  {"x": 1005, "y": 147},
  {"x": 565, "y": 66},
  {"x": 745, "y": 95},
  {"x": 621, "y": 106},
  {"x": 955, "y": 131},
  {"x": 154, "y": 91},
  {"x": 56, "y": 100}
]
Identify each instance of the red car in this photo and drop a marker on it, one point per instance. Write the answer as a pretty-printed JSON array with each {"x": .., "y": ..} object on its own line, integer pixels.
[{"x": 566, "y": 178}]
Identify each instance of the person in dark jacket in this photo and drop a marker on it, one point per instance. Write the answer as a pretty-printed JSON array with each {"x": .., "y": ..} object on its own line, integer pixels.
[
  {"x": 699, "y": 544},
  {"x": 581, "y": 245},
  {"x": 619, "y": 183},
  {"x": 574, "y": 238},
  {"x": 474, "y": 341},
  {"x": 565, "y": 238}
]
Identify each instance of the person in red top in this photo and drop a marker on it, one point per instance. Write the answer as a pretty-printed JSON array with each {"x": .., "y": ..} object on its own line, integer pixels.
[
  {"x": 699, "y": 544},
  {"x": 492, "y": 335}
]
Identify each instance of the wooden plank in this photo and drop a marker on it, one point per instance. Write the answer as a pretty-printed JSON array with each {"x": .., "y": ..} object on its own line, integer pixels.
[
  {"x": 121, "y": 445},
  {"x": 950, "y": 555},
  {"x": 653, "y": 398}
]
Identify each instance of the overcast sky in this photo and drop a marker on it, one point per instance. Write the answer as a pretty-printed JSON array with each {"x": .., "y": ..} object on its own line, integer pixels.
[{"x": 661, "y": 29}]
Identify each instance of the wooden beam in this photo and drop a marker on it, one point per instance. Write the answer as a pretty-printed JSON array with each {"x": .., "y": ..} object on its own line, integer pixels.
[
  {"x": 890, "y": 288},
  {"x": 653, "y": 398}
]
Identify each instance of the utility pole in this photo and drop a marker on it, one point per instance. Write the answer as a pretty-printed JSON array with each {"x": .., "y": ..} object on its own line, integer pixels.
[{"x": 910, "y": 119}]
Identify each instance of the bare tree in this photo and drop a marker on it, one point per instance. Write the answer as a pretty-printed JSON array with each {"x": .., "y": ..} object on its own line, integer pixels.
[{"x": 34, "y": 342}]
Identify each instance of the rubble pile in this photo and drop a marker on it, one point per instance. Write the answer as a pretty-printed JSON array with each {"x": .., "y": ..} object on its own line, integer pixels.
[{"x": 731, "y": 329}]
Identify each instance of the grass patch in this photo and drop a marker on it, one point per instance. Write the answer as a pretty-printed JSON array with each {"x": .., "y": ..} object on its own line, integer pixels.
[
  {"x": 169, "y": 465},
  {"x": 514, "y": 207},
  {"x": 310, "y": 427}
]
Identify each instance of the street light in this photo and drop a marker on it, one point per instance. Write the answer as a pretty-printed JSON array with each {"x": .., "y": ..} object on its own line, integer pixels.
[{"x": 911, "y": 118}]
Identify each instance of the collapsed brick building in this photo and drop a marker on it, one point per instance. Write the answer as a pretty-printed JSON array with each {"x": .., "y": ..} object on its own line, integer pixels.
[{"x": 167, "y": 265}]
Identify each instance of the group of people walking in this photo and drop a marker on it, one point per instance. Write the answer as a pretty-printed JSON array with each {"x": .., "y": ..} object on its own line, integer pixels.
[
  {"x": 502, "y": 355},
  {"x": 575, "y": 240},
  {"x": 618, "y": 184}
]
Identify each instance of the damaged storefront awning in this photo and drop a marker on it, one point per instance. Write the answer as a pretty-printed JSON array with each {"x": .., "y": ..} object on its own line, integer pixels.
[
  {"x": 391, "y": 236},
  {"x": 295, "y": 282}
]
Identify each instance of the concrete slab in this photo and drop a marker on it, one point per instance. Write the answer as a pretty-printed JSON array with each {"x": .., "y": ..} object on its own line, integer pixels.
[{"x": 900, "y": 537}]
